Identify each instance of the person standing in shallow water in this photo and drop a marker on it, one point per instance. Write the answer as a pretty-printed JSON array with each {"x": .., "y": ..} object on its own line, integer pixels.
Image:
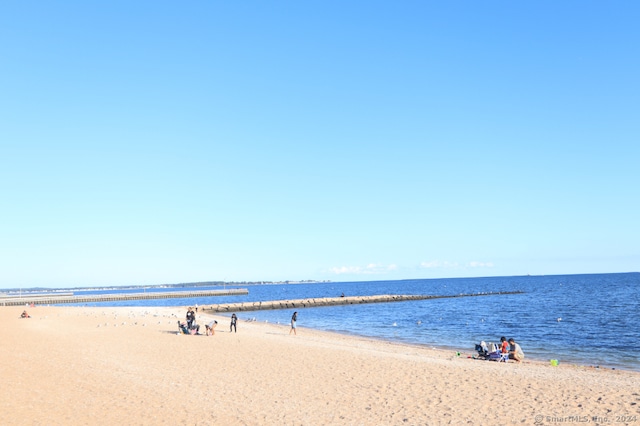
[
  {"x": 294, "y": 318},
  {"x": 233, "y": 327}
]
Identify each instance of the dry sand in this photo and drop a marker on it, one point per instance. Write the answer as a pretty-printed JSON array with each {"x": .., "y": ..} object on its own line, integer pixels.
[{"x": 128, "y": 366}]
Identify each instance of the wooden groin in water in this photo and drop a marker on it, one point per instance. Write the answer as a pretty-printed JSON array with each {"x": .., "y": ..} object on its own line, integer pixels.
[
  {"x": 332, "y": 301},
  {"x": 93, "y": 298}
]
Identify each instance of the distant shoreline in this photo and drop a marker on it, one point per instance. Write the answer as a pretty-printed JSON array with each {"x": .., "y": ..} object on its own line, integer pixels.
[
  {"x": 155, "y": 286},
  {"x": 284, "y": 282}
]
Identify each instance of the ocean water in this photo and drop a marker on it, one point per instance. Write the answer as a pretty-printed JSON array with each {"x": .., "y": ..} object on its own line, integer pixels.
[{"x": 576, "y": 319}]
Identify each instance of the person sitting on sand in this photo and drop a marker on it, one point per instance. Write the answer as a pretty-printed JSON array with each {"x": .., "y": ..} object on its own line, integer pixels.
[
  {"x": 24, "y": 315},
  {"x": 183, "y": 328},
  {"x": 211, "y": 328},
  {"x": 195, "y": 328},
  {"x": 515, "y": 351}
]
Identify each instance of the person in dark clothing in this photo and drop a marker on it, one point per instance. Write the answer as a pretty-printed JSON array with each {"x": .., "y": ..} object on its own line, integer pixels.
[
  {"x": 233, "y": 327},
  {"x": 191, "y": 317}
]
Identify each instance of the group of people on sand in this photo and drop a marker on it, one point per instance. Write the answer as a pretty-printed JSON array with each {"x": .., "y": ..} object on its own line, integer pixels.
[
  {"x": 508, "y": 349},
  {"x": 511, "y": 349},
  {"x": 192, "y": 327}
]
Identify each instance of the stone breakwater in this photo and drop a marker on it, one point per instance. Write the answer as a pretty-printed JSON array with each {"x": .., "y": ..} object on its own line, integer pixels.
[
  {"x": 92, "y": 298},
  {"x": 332, "y": 301}
]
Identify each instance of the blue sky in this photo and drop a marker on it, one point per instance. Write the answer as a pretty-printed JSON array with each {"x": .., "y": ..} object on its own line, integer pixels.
[{"x": 166, "y": 142}]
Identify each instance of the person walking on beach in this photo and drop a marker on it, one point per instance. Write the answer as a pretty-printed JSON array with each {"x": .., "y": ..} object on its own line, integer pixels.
[
  {"x": 233, "y": 327},
  {"x": 294, "y": 318}
]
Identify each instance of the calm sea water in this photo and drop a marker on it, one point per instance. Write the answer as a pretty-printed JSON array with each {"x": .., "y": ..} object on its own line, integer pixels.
[{"x": 577, "y": 319}]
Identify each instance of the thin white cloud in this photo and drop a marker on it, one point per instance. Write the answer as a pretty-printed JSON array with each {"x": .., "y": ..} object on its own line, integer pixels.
[
  {"x": 371, "y": 268},
  {"x": 378, "y": 269},
  {"x": 444, "y": 264},
  {"x": 438, "y": 264},
  {"x": 476, "y": 264},
  {"x": 345, "y": 270}
]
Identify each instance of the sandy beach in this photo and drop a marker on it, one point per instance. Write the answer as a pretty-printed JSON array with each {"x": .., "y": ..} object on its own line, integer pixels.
[{"x": 128, "y": 366}]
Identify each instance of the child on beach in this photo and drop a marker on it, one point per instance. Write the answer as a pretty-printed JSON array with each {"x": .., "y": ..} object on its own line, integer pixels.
[
  {"x": 294, "y": 318},
  {"x": 504, "y": 350},
  {"x": 183, "y": 328},
  {"x": 233, "y": 327},
  {"x": 504, "y": 345}
]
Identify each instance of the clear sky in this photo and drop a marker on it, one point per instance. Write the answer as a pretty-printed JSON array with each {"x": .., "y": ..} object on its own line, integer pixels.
[{"x": 151, "y": 142}]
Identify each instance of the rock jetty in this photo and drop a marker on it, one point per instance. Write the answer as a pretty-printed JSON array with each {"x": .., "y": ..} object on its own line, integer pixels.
[{"x": 332, "y": 301}]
